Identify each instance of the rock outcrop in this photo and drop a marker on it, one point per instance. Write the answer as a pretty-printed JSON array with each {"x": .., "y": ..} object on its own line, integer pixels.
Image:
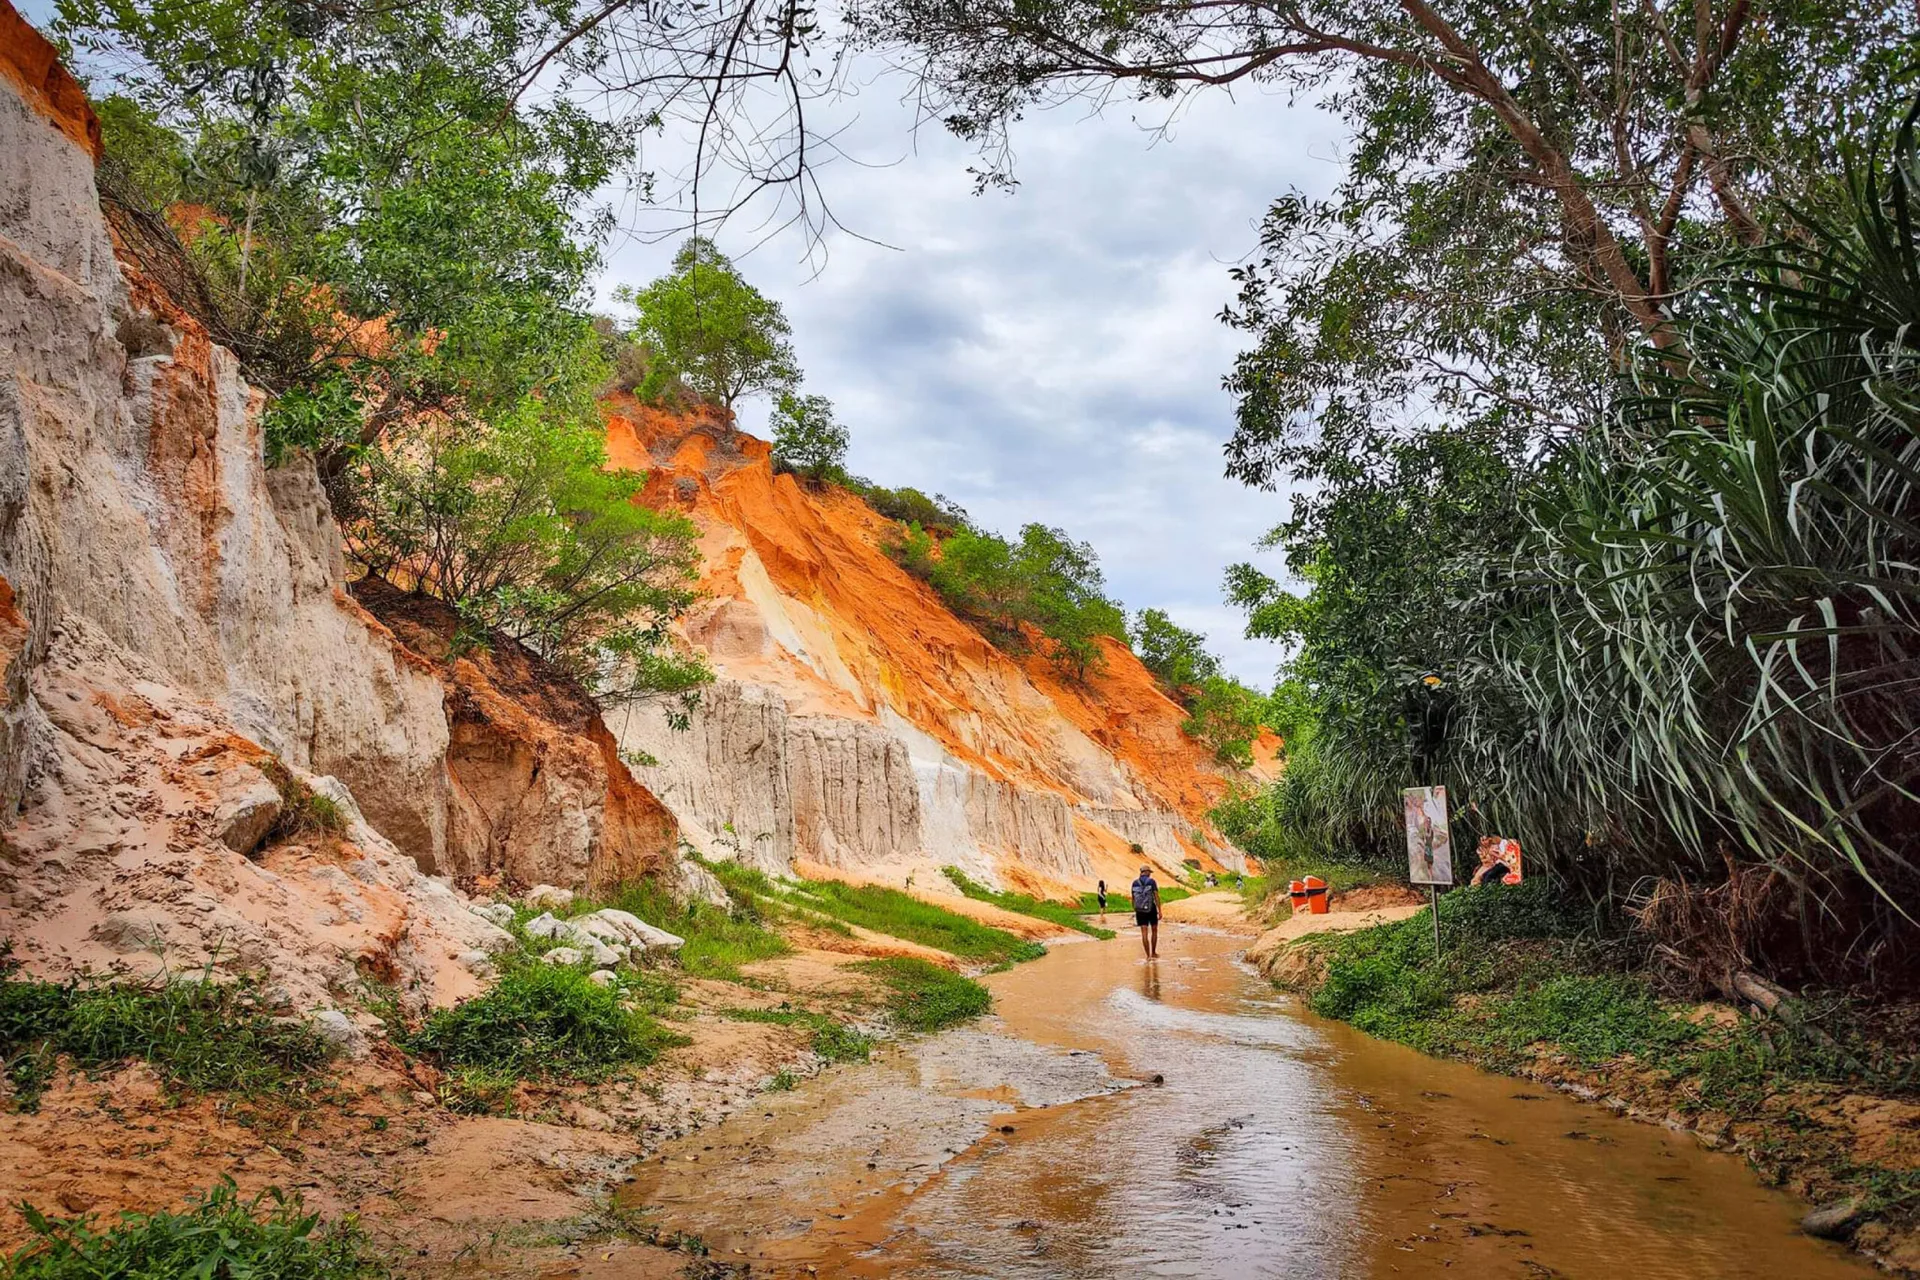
[
  {"x": 859, "y": 725},
  {"x": 538, "y": 790},
  {"x": 184, "y": 673}
]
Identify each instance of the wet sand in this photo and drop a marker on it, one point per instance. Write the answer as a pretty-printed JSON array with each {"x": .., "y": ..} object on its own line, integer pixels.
[{"x": 1035, "y": 1143}]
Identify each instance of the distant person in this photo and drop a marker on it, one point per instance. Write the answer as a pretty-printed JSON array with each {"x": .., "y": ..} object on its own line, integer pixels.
[
  {"x": 1100, "y": 896},
  {"x": 1146, "y": 911}
]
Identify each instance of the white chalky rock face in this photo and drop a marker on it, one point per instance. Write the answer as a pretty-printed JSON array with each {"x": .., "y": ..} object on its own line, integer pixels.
[
  {"x": 546, "y": 897},
  {"x": 171, "y": 615}
]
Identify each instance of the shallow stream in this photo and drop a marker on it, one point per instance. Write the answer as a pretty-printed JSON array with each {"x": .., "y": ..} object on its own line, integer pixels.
[{"x": 1036, "y": 1144}]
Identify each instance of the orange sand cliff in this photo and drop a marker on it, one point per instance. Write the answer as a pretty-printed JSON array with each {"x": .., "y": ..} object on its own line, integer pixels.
[{"x": 801, "y": 598}]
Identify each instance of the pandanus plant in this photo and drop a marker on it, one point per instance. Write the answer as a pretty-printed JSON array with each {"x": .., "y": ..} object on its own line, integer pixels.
[{"x": 1711, "y": 637}]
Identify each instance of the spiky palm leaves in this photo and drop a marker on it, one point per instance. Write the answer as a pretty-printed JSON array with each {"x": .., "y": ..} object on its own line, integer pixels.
[{"x": 1714, "y": 629}]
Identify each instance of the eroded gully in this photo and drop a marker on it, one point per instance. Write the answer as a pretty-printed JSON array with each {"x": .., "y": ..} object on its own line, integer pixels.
[{"x": 1035, "y": 1144}]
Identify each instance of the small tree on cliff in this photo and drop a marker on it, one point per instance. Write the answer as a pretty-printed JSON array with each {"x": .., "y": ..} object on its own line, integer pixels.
[
  {"x": 1176, "y": 655},
  {"x": 806, "y": 439},
  {"x": 518, "y": 524},
  {"x": 706, "y": 325}
]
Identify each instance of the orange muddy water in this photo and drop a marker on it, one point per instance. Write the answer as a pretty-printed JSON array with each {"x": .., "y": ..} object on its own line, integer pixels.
[{"x": 1036, "y": 1144}]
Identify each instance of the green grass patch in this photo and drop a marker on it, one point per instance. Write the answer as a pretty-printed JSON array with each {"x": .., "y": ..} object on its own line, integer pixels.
[
  {"x": 218, "y": 1236},
  {"x": 1039, "y": 908},
  {"x": 882, "y": 910},
  {"x": 539, "y": 1022},
  {"x": 925, "y": 997},
  {"x": 832, "y": 1041},
  {"x": 197, "y": 1033},
  {"x": 719, "y": 940}
]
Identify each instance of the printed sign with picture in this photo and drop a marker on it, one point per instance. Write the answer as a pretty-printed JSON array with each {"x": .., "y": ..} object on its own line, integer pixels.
[
  {"x": 1499, "y": 861},
  {"x": 1429, "y": 845}
]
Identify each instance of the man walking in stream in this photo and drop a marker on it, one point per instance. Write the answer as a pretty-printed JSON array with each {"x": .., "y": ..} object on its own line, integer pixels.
[{"x": 1146, "y": 911}]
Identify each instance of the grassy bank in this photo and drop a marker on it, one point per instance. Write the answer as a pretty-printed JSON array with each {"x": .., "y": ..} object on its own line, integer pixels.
[
  {"x": 830, "y": 903},
  {"x": 196, "y": 1033},
  {"x": 1025, "y": 904},
  {"x": 1531, "y": 986}
]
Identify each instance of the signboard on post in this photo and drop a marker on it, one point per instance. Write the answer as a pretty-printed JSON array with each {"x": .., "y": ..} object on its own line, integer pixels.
[{"x": 1429, "y": 845}]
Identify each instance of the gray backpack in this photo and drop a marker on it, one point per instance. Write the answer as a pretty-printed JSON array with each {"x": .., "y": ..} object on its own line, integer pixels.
[{"x": 1143, "y": 891}]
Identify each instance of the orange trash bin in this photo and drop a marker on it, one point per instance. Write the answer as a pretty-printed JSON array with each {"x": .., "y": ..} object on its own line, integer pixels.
[
  {"x": 1316, "y": 896},
  {"x": 1298, "y": 893}
]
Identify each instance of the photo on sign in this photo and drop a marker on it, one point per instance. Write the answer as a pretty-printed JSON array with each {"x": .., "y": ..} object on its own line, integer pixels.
[
  {"x": 1499, "y": 861},
  {"x": 1429, "y": 846}
]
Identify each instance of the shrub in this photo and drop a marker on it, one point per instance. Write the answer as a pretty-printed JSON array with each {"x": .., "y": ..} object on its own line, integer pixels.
[
  {"x": 1046, "y": 582},
  {"x": 925, "y": 997},
  {"x": 541, "y": 1022},
  {"x": 1226, "y": 716},
  {"x": 303, "y": 811},
  {"x": 196, "y": 1034},
  {"x": 1176, "y": 656},
  {"x": 806, "y": 439},
  {"x": 518, "y": 524},
  {"x": 218, "y": 1236}
]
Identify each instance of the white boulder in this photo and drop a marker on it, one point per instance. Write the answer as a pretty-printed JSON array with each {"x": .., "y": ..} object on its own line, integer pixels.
[
  {"x": 612, "y": 925},
  {"x": 548, "y": 897},
  {"x": 563, "y": 955}
]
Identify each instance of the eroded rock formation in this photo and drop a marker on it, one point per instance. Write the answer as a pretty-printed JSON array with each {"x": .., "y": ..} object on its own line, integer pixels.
[{"x": 859, "y": 725}]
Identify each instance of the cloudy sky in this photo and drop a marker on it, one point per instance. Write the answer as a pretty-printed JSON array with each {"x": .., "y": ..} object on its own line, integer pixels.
[
  {"x": 1047, "y": 355},
  {"x": 1050, "y": 354}
]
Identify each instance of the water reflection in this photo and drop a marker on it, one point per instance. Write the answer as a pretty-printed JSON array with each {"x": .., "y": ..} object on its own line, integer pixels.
[{"x": 1039, "y": 1145}]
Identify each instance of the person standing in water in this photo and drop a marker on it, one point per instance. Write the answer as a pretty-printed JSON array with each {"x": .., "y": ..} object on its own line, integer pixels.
[
  {"x": 1146, "y": 911},
  {"x": 1100, "y": 895}
]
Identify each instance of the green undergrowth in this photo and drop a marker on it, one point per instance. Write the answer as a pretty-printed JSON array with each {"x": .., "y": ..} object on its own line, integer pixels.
[
  {"x": 925, "y": 997},
  {"x": 197, "y": 1033},
  {"x": 218, "y": 1236},
  {"x": 1025, "y": 905},
  {"x": 831, "y": 1041},
  {"x": 881, "y": 910},
  {"x": 539, "y": 1023},
  {"x": 719, "y": 940},
  {"x": 1524, "y": 979}
]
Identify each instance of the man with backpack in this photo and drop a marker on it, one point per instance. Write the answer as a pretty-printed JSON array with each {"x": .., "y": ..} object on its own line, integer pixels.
[{"x": 1146, "y": 911}]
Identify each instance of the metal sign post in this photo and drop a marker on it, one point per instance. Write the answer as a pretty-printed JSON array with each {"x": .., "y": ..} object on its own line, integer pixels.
[{"x": 1429, "y": 847}]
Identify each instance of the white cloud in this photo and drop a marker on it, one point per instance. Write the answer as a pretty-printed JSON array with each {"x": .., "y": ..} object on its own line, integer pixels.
[{"x": 1051, "y": 354}]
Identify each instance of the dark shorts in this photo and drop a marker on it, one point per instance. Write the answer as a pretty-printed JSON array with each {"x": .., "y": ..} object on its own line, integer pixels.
[{"x": 1145, "y": 918}]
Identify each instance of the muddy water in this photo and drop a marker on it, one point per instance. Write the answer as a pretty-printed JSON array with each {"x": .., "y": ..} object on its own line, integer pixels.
[{"x": 1037, "y": 1144}]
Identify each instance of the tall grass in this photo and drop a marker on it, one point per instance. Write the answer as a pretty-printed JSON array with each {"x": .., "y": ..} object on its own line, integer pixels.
[{"x": 719, "y": 940}]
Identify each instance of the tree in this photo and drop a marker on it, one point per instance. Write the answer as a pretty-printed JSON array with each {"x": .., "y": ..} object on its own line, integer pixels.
[
  {"x": 1226, "y": 716},
  {"x": 708, "y": 326},
  {"x": 1176, "y": 655},
  {"x": 806, "y": 439},
  {"x": 388, "y": 231},
  {"x": 518, "y": 524}
]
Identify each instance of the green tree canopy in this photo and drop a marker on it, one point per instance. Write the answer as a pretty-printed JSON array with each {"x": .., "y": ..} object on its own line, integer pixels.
[
  {"x": 1176, "y": 655},
  {"x": 807, "y": 439},
  {"x": 706, "y": 325}
]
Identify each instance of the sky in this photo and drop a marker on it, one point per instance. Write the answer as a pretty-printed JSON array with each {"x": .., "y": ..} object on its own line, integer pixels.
[{"x": 1051, "y": 354}]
